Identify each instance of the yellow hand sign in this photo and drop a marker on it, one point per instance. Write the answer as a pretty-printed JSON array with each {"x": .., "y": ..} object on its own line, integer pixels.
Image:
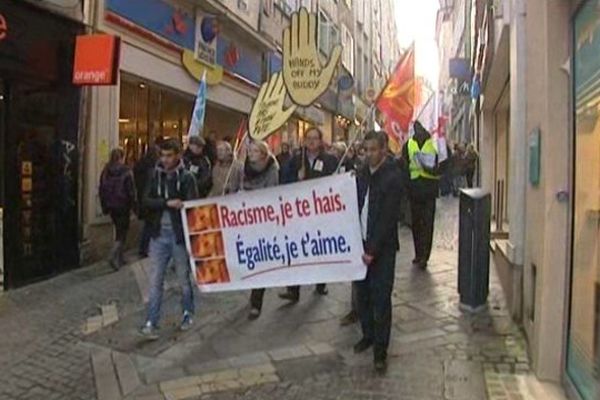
[
  {"x": 267, "y": 113},
  {"x": 306, "y": 79}
]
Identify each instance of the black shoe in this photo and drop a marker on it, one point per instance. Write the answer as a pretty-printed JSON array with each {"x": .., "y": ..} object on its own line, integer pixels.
[
  {"x": 362, "y": 346},
  {"x": 349, "y": 319},
  {"x": 381, "y": 366},
  {"x": 322, "y": 290},
  {"x": 254, "y": 314},
  {"x": 380, "y": 357},
  {"x": 294, "y": 298},
  {"x": 422, "y": 265}
]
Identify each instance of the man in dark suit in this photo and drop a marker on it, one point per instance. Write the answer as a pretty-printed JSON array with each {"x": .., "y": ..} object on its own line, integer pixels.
[
  {"x": 379, "y": 193},
  {"x": 312, "y": 163}
]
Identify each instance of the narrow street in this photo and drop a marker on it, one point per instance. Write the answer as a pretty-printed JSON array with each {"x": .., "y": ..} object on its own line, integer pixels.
[{"x": 74, "y": 337}]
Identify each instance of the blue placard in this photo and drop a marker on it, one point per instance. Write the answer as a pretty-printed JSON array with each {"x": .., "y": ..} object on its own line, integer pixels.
[{"x": 239, "y": 59}]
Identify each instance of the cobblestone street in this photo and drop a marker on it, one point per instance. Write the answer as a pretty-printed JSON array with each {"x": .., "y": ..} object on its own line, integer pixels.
[{"x": 74, "y": 337}]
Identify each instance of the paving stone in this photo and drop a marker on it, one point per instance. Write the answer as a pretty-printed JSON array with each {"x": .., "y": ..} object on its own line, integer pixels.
[
  {"x": 107, "y": 385},
  {"x": 320, "y": 348},
  {"x": 126, "y": 373},
  {"x": 249, "y": 359},
  {"x": 289, "y": 353},
  {"x": 464, "y": 380},
  {"x": 183, "y": 393},
  {"x": 171, "y": 385}
]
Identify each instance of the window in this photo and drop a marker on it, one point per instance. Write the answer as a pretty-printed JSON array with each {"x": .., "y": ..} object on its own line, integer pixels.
[
  {"x": 287, "y": 6},
  {"x": 360, "y": 11},
  {"x": 267, "y": 7},
  {"x": 148, "y": 111},
  {"x": 242, "y": 5},
  {"x": 328, "y": 33},
  {"x": 358, "y": 71},
  {"x": 348, "y": 49},
  {"x": 305, "y": 3}
]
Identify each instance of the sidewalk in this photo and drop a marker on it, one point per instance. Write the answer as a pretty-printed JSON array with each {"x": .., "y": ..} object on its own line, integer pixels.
[{"x": 74, "y": 337}]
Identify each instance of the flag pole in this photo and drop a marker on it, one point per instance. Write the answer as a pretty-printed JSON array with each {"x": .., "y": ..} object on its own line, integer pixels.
[{"x": 359, "y": 136}]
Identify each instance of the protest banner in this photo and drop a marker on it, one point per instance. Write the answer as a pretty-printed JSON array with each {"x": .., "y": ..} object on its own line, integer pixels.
[{"x": 297, "y": 234}]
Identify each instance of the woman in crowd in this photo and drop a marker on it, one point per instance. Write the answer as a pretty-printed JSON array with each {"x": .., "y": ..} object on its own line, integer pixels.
[
  {"x": 117, "y": 197},
  {"x": 226, "y": 171},
  {"x": 260, "y": 171}
]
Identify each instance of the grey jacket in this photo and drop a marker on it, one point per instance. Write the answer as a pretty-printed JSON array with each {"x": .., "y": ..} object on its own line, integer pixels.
[{"x": 266, "y": 177}]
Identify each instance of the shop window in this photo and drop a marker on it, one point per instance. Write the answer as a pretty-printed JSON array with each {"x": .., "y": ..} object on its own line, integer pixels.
[
  {"x": 328, "y": 33},
  {"x": 267, "y": 7},
  {"x": 242, "y": 5},
  {"x": 148, "y": 111}
]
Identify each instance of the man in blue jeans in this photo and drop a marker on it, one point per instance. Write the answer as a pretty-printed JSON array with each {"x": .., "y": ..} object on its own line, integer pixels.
[{"x": 169, "y": 186}]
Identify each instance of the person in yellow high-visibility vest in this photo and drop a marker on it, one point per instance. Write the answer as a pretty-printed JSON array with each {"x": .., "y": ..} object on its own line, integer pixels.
[{"x": 421, "y": 161}]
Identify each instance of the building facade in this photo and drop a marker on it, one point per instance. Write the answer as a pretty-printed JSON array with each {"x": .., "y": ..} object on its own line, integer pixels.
[
  {"x": 534, "y": 110},
  {"x": 40, "y": 140},
  {"x": 52, "y": 219}
]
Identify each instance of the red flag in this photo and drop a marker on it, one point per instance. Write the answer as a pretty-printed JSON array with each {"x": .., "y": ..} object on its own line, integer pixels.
[{"x": 397, "y": 99}]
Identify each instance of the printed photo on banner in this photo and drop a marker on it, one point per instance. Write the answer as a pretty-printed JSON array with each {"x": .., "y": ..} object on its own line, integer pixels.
[{"x": 296, "y": 234}]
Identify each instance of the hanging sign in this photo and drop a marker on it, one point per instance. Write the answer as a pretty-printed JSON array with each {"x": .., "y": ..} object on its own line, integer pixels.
[
  {"x": 96, "y": 60},
  {"x": 207, "y": 30}
]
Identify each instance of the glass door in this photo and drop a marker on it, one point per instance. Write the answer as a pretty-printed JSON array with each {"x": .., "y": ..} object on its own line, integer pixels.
[{"x": 583, "y": 352}]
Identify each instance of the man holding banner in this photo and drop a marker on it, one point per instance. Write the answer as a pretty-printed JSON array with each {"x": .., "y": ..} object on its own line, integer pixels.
[
  {"x": 379, "y": 192},
  {"x": 312, "y": 163}
]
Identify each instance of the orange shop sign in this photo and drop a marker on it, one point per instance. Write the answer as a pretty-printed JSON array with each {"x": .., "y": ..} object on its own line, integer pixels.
[{"x": 96, "y": 60}]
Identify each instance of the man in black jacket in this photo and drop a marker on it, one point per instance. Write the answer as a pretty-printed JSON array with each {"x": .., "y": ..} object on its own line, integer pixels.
[
  {"x": 312, "y": 163},
  {"x": 199, "y": 165},
  {"x": 379, "y": 193},
  {"x": 142, "y": 172},
  {"x": 169, "y": 186}
]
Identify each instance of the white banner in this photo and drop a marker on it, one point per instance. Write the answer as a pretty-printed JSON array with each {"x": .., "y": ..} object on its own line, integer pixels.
[{"x": 297, "y": 234}]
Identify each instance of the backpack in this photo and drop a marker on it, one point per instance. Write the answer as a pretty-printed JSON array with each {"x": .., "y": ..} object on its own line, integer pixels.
[{"x": 114, "y": 193}]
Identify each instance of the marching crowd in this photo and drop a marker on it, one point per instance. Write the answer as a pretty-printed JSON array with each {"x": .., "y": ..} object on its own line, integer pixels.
[{"x": 166, "y": 176}]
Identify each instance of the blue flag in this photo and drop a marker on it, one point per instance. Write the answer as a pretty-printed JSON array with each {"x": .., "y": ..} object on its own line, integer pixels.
[{"x": 197, "y": 122}]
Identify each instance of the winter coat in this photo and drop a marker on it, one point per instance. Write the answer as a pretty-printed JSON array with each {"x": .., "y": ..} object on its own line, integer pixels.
[
  {"x": 117, "y": 189},
  {"x": 201, "y": 167},
  {"x": 385, "y": 193},
  {"x": 142, "y": 171},
  {"x": 163, "y": 186},
  {"x": 260, "y": 177},
  {"x": 324, "y": 165},
  {"x": 219, "y": 176}
]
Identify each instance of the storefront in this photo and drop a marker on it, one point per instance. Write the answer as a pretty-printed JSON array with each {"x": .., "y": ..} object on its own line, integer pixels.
[
  {"x": 160, "y": 74},
  {"x": 39, "y": 137},
  {"x": 583, "y": 345}
]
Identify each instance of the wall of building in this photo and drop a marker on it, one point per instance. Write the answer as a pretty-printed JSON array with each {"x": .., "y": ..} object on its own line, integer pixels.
[{"x": 547, "y": 219}]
